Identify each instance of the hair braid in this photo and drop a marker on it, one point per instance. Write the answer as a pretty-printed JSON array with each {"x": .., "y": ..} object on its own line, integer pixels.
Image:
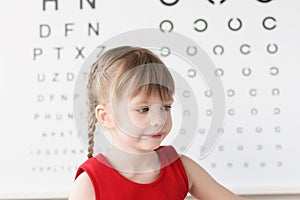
[
  {"x": 92, "y": 120},
  {"x": 91, "y": 129},
  {"x": 96, "y": 71}
]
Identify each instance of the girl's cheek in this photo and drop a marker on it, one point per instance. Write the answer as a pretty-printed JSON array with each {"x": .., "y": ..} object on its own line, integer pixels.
[
  {"x": 130, "y": 122},
  {"x": 139, "y": 120}
]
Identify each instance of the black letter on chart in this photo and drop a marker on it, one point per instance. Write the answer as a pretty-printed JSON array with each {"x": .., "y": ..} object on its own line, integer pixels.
[
  {"x": 37, "y": 52},
  {"x": 79, "y": 52},
  {"x": 96, "y": 31},
  {"x": 45, "y": 30},
  {"x": 45, "y": 1},
  {"x": 55, "y": 77},
  {"x": 68, "y": 29},
  {"x": 58, "y": 52},
  {"x": 92, "y": 4}
]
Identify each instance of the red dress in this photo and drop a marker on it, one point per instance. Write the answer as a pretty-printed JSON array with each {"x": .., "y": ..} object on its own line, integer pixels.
[{"x": 171, "y": 183}]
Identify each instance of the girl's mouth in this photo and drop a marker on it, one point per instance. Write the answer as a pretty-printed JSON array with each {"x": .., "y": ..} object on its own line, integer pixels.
[
  {"x": 156, "y": 136},
  {"x": 153, "y": 136}
]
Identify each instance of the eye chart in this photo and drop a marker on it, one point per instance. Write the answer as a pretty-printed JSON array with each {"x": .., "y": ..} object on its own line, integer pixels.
[{"x": 254, "y": 45}]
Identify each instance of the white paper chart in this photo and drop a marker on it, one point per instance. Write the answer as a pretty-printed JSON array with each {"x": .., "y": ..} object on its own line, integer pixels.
[{"x": 254, "y": 45}]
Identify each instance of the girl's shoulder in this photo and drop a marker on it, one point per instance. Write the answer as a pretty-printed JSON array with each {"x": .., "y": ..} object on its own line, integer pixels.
[{"x": 82, "y": 188}]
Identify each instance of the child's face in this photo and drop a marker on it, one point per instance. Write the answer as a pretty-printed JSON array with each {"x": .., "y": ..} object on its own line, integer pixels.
[{"x": 142, "y": 122}]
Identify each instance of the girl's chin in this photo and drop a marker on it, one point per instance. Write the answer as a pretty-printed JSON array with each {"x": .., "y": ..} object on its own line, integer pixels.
[{"x": 151, "y": 144}]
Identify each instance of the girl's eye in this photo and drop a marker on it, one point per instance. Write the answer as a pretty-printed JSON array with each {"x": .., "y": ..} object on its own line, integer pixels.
[
  {"x": 167, "y": 108},
  {"x": 143, "y": 110}
]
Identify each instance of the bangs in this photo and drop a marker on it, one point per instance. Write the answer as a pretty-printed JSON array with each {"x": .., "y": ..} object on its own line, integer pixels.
[
  {"x": 163, "y": 92},
  {"x": 149, "y": 79}
]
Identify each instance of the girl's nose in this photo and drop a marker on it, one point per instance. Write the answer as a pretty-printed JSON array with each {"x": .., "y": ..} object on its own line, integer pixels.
[{"x": 158, "y": 116}]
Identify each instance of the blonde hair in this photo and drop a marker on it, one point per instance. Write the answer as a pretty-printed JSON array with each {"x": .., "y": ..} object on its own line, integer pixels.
[{"x": 125, "y": 68}]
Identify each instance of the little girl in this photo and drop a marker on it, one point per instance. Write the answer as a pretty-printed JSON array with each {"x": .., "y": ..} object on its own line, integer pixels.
[{"x": 130, "y": 94}]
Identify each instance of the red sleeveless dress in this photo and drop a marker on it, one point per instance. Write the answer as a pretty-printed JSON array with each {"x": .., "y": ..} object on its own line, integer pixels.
[{"x": 171, "y": 183}]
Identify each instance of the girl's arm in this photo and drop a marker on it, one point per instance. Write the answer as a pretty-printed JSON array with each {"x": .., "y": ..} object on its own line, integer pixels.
[
  {"x": 82, "y": 188},
  {"x": 202, "y": 185}
]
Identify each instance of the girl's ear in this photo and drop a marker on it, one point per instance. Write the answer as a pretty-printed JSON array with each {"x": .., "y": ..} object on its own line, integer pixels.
[{"x": 103, "y": 117}]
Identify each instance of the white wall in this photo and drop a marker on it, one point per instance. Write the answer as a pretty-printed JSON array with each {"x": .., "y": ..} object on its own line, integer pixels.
[{"x": 43, "y": 48}]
